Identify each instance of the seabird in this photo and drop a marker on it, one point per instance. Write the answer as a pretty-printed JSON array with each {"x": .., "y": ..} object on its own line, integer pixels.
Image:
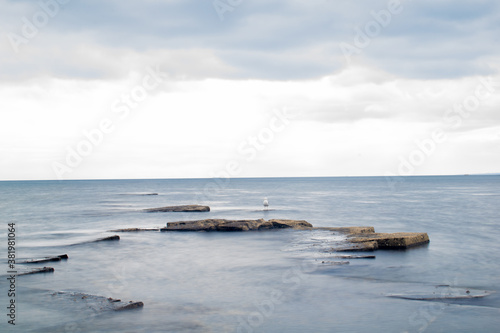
[{"x": 266, "y": 204}]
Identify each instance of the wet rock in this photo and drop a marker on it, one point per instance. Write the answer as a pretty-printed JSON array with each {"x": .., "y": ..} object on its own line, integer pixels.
[
  {"x": 400, "y": 240},
  {"x": 235, "y": 225},
  {"x": 443, "y": 294},
  {"x": 135, "y": 230},
  {"x": 335, "y": 263},
  {"x": 37, "y": 271},
  {"x": 184, "y": 208},
  {"x": 106, "y": 239},
  {"x": 354, "y": 257},
  {"x": 130, "y": 306},
  {"x": 97, "y": 303},
  {"x": 46, "y": 259},
  {"x": 348, "y": 230},
  {"x": 357, "y": 247}
]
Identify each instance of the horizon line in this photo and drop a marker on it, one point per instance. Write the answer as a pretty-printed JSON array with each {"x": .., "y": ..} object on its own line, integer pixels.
[{"x": 262, "y": 177}]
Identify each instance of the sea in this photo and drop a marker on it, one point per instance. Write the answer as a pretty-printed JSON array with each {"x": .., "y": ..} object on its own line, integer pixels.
[{"x": 258, "y": 281}]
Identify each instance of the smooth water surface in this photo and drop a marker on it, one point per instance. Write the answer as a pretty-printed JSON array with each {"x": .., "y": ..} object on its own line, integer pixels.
[{"x": 269, "y": 281}]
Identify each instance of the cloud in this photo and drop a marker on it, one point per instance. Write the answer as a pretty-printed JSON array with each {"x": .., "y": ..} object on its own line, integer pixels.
[{"x": 260, "y": 39}]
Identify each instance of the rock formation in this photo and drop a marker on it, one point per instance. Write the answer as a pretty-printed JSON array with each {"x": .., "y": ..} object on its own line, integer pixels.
[
  {"x": 184, "y": 208},
  {"x": 235, "y": 225}
]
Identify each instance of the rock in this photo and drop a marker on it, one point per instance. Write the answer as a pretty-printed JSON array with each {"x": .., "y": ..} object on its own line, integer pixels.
[
  {"x": 46, "y": 259},
  {"x": 105, "y": 239},
  {"x": 185, "y": 208},
  {"x": 96, "y": 303},
  {"x": 400, "y": 240},
  {"x": 358, "y": 247},
  {"x": 38, "y": 270},
  {"x": 335, "y": 263},
  {"x": 354, "y": 257},
  {"x": 130, "y": 306},
  {"x": 135, "y": 229},
  {"x": 235, "y": 225},
  {"x": 349, "y": 230}
]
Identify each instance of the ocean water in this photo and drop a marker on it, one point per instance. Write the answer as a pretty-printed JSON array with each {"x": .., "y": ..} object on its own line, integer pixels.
[{"x": 269, "y": 281}]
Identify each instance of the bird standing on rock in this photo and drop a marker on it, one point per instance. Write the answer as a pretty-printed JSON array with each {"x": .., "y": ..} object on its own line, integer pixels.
[{"x": 266, "y": 204}]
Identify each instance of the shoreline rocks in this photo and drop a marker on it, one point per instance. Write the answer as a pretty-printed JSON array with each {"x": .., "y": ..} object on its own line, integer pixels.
[
  {"x": 235, "y": 225},
  {"x": 183, "y": 208}
]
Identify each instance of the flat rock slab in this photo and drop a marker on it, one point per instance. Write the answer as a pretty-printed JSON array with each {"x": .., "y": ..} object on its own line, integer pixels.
[
  {"x": 235, "y": 225},
  {"x": 348, "y": 230},
  {"x": 399, "y": 240},
  {"x": 185, "y": 208},
  {"x": 98, "y": 303},
  {"x": 443, "y": 293}
]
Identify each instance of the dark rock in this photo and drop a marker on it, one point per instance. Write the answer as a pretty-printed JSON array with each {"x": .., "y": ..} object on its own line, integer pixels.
[
  {"x": 135, "y": 229},
  {"x": 335, "y": 263},
  {"x": 46, "y": 259},
  {"x": 185, "y": 208},
  {"x": 235, "y": 225},
  {"x": 354, "y": 257},
  {"x": 348, "y": 230},
  {"x": 357, "y": 247},
  {"x": 105, "y": 239},
  {"x": 38, "y": 270},
  {"x": 130, "y": 306}
]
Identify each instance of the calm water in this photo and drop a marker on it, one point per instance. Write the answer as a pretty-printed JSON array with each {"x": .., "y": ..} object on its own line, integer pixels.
[{"x": 270, "y": 281}]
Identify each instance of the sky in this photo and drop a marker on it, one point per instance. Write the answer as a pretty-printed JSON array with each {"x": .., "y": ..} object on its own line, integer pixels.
[{"x": 116, "y": 89}]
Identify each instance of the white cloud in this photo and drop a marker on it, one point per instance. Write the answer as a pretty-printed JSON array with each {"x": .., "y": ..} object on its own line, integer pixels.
[{"x": 225, "y": 78}]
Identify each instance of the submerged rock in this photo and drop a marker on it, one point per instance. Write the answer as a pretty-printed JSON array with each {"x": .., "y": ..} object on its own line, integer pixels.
[
  {"x": 235, "y": 225},
  {"x": 349, "y": 230},
  {"x": 184, "y": 208},
  {"x": 135, "y": 229},
  {"x": 360, "y": 247},
  {"x": 98, "y": 303},
  {"x": 37, "y": 271}
]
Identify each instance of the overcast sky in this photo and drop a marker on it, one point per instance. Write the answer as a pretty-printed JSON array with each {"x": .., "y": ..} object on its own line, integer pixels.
[{"x": 248, "y": 88}]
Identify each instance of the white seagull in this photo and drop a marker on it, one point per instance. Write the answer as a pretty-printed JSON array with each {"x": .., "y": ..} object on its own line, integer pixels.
[{"x": 266, "y": 204}]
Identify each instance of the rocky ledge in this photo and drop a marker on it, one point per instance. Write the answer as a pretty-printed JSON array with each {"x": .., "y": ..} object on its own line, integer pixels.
[
  {"x": 371, "y": 241},
  {"x": 235, "y": 225},
  {"x": 184, "y": 208},
  {"x": 399, "y": 240}
]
